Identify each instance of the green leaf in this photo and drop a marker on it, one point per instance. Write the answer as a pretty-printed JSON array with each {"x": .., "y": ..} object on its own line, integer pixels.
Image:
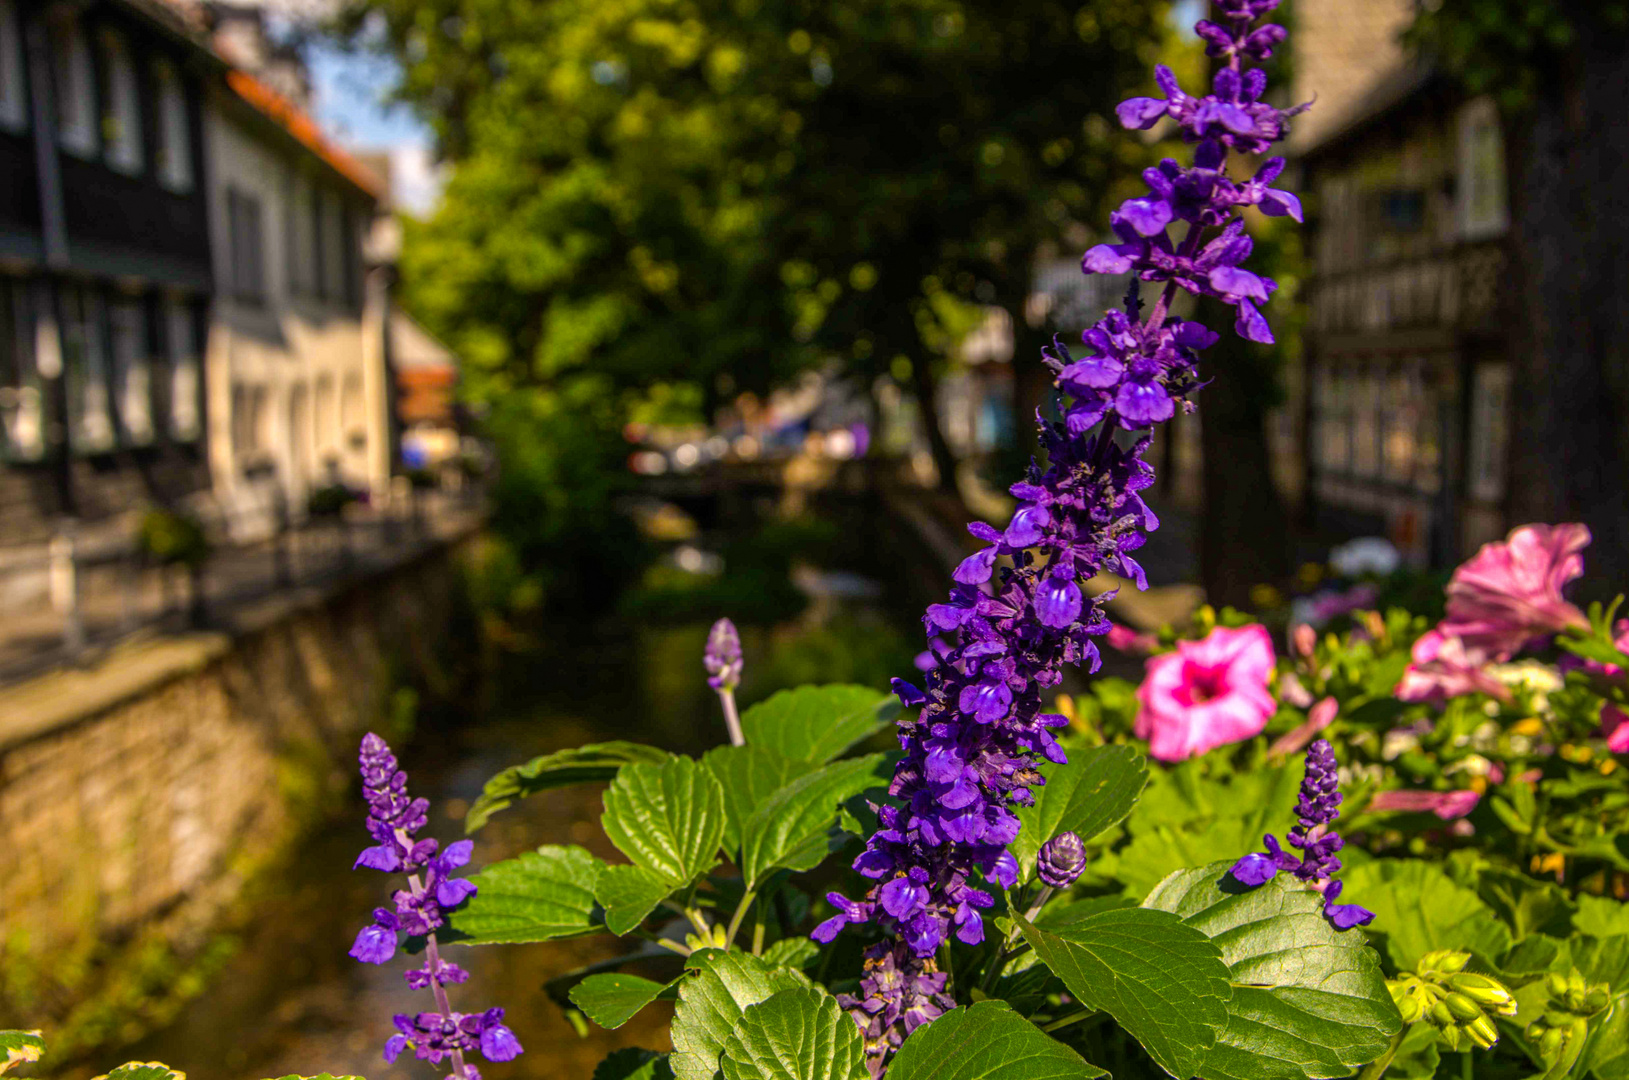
[
  {"x": 792, "y": 952},
  {"x": 1058, "y": 916},
  {"x": 1609, "y": 1048},
  {"x": 629, "y": 894},
  {"x": 319, "y": 1076},
  {"x": 540, "y": 895},
  {"x": 1599, "y": 916},
  {"x": 749, "y": 775},
  {"x": 589, "y": 764},
  {"x": 794, "y": 828},
  {"x": 1309, "y": 1001},
  {"x": 800, "y": 1034},
  {"x": 986, "y": 1042},
  {"x": 1419, "y": 908},
  {"x": 711, "y": 1002},
  {"x": 1094, "y": 791},
  {"x": 20, "y": 1047},
  {"x": 634, "y": 1064},
  {"x": 612, "y": 1000},
  {"x": 818, "y": 723},
  {"x": 143, "y": 1070},
  {"x": 1163, "y": 982},
  {"x": 668, "y": 818}
]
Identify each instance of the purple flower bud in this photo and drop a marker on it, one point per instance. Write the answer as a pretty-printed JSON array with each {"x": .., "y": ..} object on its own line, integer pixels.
[
  {"x": 1061, "y": 861},
  {"x": 722, "y": 657}
]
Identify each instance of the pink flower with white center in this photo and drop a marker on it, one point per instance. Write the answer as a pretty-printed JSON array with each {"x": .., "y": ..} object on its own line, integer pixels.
[
  {"x": 1207, "y": 693},
  {"x": 1447, "y": 805},
  {"x": 1510, "y": 592},
  {"x": 1443, "y": 668}
]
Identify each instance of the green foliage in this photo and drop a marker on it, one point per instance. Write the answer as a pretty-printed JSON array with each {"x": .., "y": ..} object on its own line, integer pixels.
[
  {"x": 818, "y": 723},
  {"x": 20, "y": 1048},
  {"x": 987, "y": 1042},
  {"x": 612, "y": 1000},
  {"x": 172, "y": 538},
  {"x": 712, "y": 1002},
  {"x": 634, "y": 1064},
  {"x": 1164, "y": 982},
  {"x": 794, "y": 828},
  {"x": 1093, "y": 792},
  {"x": 667, "y": 818},
  {"x": 749, "y": 775},
  {"x": 629, "y": 894},
  {"x": 589, "y": 764},
  {"x": 541, "y": 895},
  {"x": 796, "y": 1034},
  {"x": 1308, "y": 1000}
]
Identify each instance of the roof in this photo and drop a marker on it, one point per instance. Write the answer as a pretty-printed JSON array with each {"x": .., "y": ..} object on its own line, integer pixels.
[
  {"x": 413, "y": 348},
  {"x": 291, "y": 119},
  {"x": 1350, "y": 63}
]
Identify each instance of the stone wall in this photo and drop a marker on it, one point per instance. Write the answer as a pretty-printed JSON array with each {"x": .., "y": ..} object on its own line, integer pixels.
[{"x": 149, "y": 788}]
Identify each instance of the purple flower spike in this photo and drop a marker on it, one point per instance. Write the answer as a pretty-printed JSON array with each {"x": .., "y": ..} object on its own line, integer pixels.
[
  {"x": 722, "y": 657},
  {"x": 1314, "y": 836},
  {"x": 393, "y": 821}
]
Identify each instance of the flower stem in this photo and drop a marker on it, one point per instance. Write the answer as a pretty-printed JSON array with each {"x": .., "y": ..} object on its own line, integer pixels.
[
  {"x": 758, "y": 931},
  {"x": 1073, "y": 1018},
  {"x": 433, "y": 953},
  {"x": 732, "y": 720},
  {"x": 740, "y": 914},
  {"x": 1377, "y": 1068}
]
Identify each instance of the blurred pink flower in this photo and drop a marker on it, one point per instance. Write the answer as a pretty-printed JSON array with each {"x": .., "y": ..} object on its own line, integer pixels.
[
  {"x": 1443, "y": 668},
  {"x": 1207, "y": 693},
  {"x": 1128, "y": 640},
  {"x": 1615, "y": 726},
  {"x": 1510, "y": 591},
  {"x": 1447, "y": 805},
  {"x": 1295, "y": 740}
]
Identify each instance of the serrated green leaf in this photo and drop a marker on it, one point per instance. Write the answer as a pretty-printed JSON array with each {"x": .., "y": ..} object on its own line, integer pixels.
[
  {"x": 1162, "y": 981},
  {"x": 1095, "y": 790},
  {"x": 143, "y": 1070},
  {"x": 800, "y": 1034},
  {"x": 634, "y": 1064},
  {"x": 612, "y": 1000},
  {"x": 668, "y": 818},
  {"x": 629, "y": 894},
  {"x": 793, "y": 828},
  {"x": 818, "y": 723},
  {"x": 986, "y": 1042},
  {"x": 1419, "y": 908},
  {"x": 1309, "y": 1001},
  {"x": 596, "y": 762},
  {"x": 540, "y": 895},
  {"x": 20, "y": 1047},
  {"x": 1600, "y": 916},
  {"x": 712, "y": 1001},
  {"x": 1057, "y": 916},
  {"x": 749, "y": 775},
  {"x": 792, "y": 952}
]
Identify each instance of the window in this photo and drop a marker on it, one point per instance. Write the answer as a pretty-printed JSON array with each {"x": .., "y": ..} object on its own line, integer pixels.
[
  {"x": 1483, "y": 212},
  {"x": 132, "y": 373},
  {"x": 174, "y": 154},
  {"x": 13, "y": 90},
  {"x": 248, "y": 261},
  {"x": 185, "y": 416},
  {"x": 301, "y": 272},
  {"x": 1490, "y": 431},
  {"x": 22, "y": 402},
  {"x": 121, "y": 127},
  {"x": 75, "y": 88},
  {"x": 90, "y": 424}
]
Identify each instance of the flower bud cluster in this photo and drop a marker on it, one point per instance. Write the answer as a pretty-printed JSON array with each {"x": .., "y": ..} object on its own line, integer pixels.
[
  {"x": 1460, "y": 1004},
  {"x": 1573, "y": 1000}
]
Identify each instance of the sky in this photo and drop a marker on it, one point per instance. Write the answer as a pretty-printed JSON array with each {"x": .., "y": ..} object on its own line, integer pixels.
[{"x": 351, "y": 91}]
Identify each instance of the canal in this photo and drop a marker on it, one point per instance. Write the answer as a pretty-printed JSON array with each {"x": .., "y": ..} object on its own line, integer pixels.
[{"x": 291, "y": 1001}]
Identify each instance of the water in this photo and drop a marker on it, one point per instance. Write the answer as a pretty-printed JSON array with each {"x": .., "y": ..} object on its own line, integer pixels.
[{"x": 292, "y": 1001}]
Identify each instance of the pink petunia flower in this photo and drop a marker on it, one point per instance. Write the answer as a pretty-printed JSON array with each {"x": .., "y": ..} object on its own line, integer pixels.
[
  {"x": 1207, "y": 693},
  {"x": 1295, "y": 740},
  {"x": 1510, "y": 592},
  {"x": 1127, "y": 640},
  {"x": 1615, "y": 726},
  {"x": 1447, "y": 805},
  {"x": 1443, "y": 668}
]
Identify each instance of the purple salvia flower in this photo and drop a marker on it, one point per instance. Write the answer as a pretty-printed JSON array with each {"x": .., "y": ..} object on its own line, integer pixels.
[
  {"x": 1018, "y": 613},
  {"x": 1314, "y": 836},
  {"x": 432, "y": 890},
  {"x": 723, "y": 661},
  {"x": 1062, "y": 859}
]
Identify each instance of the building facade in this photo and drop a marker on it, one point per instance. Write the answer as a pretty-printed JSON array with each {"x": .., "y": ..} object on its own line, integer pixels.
[
  {"x": 297, "y": 391},
  {"x": 1406, "y": 384},
  {"x": 105, "y": 274}
]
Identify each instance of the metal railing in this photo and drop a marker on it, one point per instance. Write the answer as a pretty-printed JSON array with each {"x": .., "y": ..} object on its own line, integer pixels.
[{"x": 77, "y": 595}]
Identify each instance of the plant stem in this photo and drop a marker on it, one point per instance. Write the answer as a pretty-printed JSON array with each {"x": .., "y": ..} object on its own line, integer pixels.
[
  {"x": 1073, "y": 1018},
  {"x": 1377, "y": 1068},
  {"x": 732, "y": 720},
  {"x": 657, "y": 939},
  {"x": 758, "y": 931},
  {"x": 740, "y": 914},
  {"x": 433, "y": 954}
]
